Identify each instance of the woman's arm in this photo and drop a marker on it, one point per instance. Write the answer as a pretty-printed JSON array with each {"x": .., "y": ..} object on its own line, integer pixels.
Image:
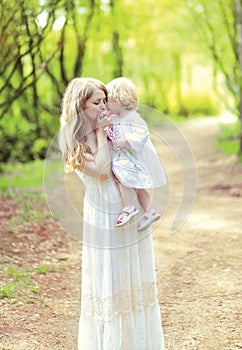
[{"x": 100, "y": 167}]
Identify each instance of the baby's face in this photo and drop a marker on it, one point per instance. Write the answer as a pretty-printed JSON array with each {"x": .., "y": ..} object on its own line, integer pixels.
[{"x": 114, "y": 106}]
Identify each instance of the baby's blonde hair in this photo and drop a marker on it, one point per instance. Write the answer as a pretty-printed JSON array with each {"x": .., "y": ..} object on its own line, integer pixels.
[{"x": 123, "y": 91}]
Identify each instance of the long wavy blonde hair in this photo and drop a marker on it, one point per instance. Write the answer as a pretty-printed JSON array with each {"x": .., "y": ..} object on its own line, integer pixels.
[{"x": 74, "y": 128}]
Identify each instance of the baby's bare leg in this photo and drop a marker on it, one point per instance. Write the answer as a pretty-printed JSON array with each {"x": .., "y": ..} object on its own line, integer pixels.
[
  {"x": 129, "y": 210},
  {"x": 144, "y": 199},
  {"x": 128, "y": 195}
]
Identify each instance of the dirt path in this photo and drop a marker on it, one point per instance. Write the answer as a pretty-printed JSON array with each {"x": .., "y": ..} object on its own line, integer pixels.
[{"x": 198, "y": 268}]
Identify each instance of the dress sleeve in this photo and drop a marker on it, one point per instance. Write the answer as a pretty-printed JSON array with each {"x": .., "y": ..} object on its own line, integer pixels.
[{"x": 139, "y": 134}]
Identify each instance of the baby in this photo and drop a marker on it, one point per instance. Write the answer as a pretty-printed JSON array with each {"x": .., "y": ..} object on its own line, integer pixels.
[{"x": 135, "y": 162}]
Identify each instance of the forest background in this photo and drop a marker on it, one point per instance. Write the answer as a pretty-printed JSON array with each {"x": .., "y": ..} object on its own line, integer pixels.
[{"x": 184, "y": 57}]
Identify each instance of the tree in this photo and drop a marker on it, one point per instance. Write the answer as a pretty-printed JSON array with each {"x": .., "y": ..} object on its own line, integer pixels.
[
  {"x": 238, "y": 16},
  {"x": 44, "y": 44},
  {"x": 35, "y": 68},
  {"x": 116, "y": 45},
  {"x": 220, "y": 26},
  {"x": 22, "y": 66}
]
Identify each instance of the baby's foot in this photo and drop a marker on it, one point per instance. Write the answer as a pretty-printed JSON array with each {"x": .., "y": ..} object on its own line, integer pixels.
[
  {"x": 126, "y": 215},
  {"x": 147, "y": 219}
]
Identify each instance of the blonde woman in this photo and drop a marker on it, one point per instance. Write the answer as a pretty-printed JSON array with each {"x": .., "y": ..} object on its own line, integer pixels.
[
  {"x": 134, "y": 160},
  {"x": 119, "y": 306}
]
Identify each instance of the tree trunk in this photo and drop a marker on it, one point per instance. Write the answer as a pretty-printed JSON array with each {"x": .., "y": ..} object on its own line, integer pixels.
[
  {"x": 178, "y": 73},
  {"x": 238, "y": 12},
  {"x": 118, "y": 69},
  {"x": 116, "y": 46}
]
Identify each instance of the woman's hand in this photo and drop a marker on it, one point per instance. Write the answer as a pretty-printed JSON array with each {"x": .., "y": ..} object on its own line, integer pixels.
[{"x": 103, "y": 120}]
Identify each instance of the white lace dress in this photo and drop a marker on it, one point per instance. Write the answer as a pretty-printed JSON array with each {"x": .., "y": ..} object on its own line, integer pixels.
[{"x": 119, "y": 306}]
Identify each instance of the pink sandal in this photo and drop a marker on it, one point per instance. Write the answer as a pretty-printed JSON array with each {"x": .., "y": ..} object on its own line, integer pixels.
[
  {"x": 126, "y": 215},
  {"x": 148, "y": 219}
]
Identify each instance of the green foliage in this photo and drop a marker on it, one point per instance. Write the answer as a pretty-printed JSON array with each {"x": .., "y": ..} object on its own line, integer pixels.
[
  {"x": 5, "y": 346},
  {"x": 198, "y": 103},
  {"x": 216, "y": 25},
  {"x": 7, "y": 291},
  {"x": 39, "y": 147},
  {"x": 228, "y": 138},
  {"x": 18, "y": 282},
  {"x": 47, "y": 43},
  {"x": 24, "y": 176},
  {"x": 45, "y": 268}
]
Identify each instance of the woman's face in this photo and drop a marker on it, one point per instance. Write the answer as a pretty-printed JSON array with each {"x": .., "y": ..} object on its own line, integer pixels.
[{"x": 95, "y": 106}]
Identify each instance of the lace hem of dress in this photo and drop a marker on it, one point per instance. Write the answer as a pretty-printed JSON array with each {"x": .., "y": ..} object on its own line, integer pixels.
[{"x": 124, "y": 302}]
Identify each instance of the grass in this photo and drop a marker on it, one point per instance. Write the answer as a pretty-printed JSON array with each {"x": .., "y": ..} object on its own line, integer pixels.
[
  {"x": 228, "y": 138},
  {"x": 7, "y": 291},
  {"x": 45, "y": 268},
  {"x": 23, "y": 176},
  {"x": 18, "y": 283},
  {"x": 24, "y": 183},
  {"x": 5, "y": 346}
]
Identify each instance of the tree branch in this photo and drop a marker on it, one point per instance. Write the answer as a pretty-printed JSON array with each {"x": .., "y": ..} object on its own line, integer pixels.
[
  {"x": 82, "y": 41},
  {"x": 61, "y": 44}
]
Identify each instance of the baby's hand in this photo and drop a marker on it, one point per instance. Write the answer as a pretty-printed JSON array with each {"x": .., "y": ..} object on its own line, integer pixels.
[
  {"x": 120, "y": 143},
  {"x": 103, "y": 121}
]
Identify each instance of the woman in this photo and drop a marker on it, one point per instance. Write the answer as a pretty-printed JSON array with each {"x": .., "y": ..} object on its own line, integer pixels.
[{"x": 119, "y": 306}]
